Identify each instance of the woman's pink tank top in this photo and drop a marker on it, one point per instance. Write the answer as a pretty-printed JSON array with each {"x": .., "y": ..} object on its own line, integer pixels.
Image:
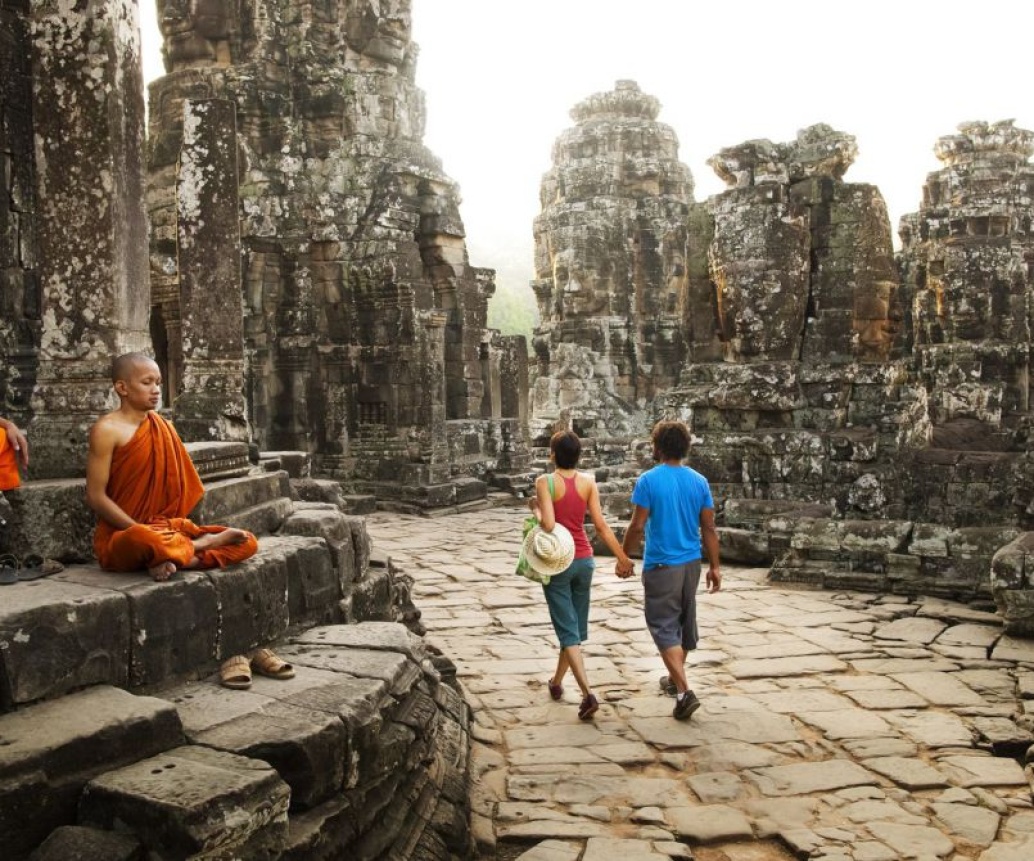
[{"x": 570, "y": 512}]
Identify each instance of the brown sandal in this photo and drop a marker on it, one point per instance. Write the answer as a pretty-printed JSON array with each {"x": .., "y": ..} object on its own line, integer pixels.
[
  {"x": 235, "y": 673},
  {"x": 265, "y": 663}
]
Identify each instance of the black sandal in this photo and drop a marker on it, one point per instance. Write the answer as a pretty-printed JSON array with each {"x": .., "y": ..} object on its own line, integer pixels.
[
  {"x": 35, "y": 566},
  {"x": 8, "y": 569}
]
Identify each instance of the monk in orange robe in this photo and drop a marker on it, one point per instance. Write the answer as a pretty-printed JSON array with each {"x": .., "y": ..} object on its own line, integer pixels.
[
  {"x": 142, "y": 484},
  {"x": 14, "y": 450}
]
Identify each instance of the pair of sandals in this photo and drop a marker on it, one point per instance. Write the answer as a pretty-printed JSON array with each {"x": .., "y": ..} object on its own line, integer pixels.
[
  {"x": 32, "y": 567},
  {"x": 235, "y": 672}
]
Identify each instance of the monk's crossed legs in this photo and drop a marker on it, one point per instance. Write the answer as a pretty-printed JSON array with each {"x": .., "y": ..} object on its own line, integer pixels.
[{"x": 163, "y": 546}]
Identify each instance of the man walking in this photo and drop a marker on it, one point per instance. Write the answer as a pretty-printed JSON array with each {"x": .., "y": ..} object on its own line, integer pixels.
[{"x": 672, "y": 504}]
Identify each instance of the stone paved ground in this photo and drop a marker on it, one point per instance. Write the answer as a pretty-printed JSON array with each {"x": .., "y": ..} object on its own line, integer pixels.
[{"x": 834, "y": 726}]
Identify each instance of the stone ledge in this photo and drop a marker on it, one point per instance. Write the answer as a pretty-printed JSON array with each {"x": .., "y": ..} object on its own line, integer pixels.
[{"x": 85, "y": 626}]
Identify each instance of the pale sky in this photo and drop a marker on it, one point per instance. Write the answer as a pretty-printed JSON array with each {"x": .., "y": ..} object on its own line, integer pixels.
[{"x": 501, "y": 77}]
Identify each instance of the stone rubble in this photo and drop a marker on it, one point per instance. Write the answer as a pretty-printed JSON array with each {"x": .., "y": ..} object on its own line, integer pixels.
[{"x": 833, "y": 725}]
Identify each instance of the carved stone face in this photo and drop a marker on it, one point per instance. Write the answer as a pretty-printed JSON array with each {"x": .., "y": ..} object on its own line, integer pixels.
[
  {"x": 194, "y": 29},
  {"x": 379, "y": 28}
]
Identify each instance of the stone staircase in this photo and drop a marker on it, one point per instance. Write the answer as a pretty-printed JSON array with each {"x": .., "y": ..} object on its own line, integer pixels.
[{"x": 116, "y": 739}]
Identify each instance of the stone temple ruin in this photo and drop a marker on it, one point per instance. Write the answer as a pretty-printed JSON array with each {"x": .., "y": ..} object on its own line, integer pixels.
[
  {"x": 294, "y": 257},
  {"x": 862, "y": 415}
]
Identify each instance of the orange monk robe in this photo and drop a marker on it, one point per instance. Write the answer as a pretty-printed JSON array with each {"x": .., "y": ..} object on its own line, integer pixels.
[
  {"x": 153, "y": 480},
  {"x": 9, "y": 478}
]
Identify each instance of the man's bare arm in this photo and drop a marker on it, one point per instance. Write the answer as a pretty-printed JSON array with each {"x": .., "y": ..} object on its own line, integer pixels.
[
  {"x": 709, "y": 538},
  {"x": 98, "y": 469}
]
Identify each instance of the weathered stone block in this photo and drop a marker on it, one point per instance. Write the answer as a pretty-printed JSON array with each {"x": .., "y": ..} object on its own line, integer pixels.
[
  {"x": 76, "y": 843},
  {"x": 56, "y": 636},
  {"x": 314, "y": 585},
  {"x": 50, "y": 518},
  {"x": 52, "y": 749},
  {"x": 372, "y": 596},
  {"x": 233, "y": 495},
  {"x": 875, "y": 536},
  {"x": 743, "y": 546},
  {"x": 194, "y": 801},
  {"x": 1012, "y": 584},
  {"x": 253, "y": 602},
  {"x": 173, "y": 625}
]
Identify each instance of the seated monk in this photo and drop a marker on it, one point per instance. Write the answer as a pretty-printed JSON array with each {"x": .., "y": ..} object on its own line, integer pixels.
[
  {"x": 14, "y": 449},
  {"x": 142, "y": 484}
]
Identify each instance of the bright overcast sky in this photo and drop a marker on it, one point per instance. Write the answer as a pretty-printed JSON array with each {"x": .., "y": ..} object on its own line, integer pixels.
[{"x": 500, "y": 78}]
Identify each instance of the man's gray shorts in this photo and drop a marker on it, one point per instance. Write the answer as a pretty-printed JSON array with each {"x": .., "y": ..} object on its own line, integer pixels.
[{"x": 670, "y": 602}]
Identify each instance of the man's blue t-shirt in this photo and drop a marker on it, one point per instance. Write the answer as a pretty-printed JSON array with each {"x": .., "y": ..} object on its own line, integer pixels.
[{"x": 675, "y": 496}]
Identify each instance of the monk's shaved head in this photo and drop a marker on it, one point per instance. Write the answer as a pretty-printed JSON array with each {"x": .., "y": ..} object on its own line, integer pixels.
[{"x": 122, "y": 367}]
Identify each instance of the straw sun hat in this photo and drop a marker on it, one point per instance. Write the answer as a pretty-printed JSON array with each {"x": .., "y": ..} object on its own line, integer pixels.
[{"x": 549, "y": 553}]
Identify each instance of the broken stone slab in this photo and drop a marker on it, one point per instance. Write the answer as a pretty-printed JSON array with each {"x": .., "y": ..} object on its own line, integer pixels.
[
  {"x": 1010, "y": 648},
  {"x": 193, "y": 801},
  {"x": 50, "y": 750},
  {"x": 912, "y": 841},
  {"x": 755, "y": 727},
  {"x": 56, "y": 636},
  {"x": 76, "y": 843},
  {"x": 939, "y": 689},
  {"x": 808, "y": 777},
  {"x": 969, "y": 771},
  {"x": 908, "y": 772},
  {"x": 932, "y": 729},
  {"x": 910, "y": 630},
  {"x": 709, "y": 823},
  {"x": 609, "y": 848},
  {"x": 848, "y": 723},
  {"x": 307, "y": 747},
  {"x": 970, "y": 822}
]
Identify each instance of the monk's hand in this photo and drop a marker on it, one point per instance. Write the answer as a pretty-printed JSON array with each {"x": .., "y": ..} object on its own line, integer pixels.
[{"x": 19, "y": 442}]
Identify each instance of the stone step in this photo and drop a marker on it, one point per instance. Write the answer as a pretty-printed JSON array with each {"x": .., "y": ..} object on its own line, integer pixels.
[
  {"x": 84, "y": 626},
  {"x": 193, "y": 802},
  {"x": 227, "y": 497},
  {"x": 49, "y": 751}
]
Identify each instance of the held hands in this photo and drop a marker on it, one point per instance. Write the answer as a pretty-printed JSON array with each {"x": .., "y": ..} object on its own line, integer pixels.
[
  {"x": 624, "y": 568},
  {"x": 714, "y": 579}
]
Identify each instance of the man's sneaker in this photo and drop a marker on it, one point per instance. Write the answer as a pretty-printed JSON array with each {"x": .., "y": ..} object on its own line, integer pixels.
[
  {"x": 668, "y": 686},
  {"x": 590, "y": 705},
  {"x": 685, "y": 705}
]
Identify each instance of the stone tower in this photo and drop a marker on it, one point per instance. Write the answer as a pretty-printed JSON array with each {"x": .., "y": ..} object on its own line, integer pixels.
[
  {"x": 795, "y": 385},
  {"x": 968, "y": 261},
  {"x": 611, "y": 264},
  {"x": 364, "y": 325}
]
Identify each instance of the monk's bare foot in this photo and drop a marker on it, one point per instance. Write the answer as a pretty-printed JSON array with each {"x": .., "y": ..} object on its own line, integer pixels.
[
  {"x": 162, "y": 571},
  {"x": 220, "y": 539}
]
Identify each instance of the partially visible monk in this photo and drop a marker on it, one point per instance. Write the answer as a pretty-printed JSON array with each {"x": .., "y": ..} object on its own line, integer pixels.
[
  {"x": 142, "y": 484},
  {"x": 14, "y": 450}
]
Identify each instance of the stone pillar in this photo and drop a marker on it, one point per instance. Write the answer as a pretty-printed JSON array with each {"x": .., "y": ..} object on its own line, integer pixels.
[
  {"x": 513, "y": 376},
  {"x": 88, "y": 112},
  {"x": 210, "y": 403}
]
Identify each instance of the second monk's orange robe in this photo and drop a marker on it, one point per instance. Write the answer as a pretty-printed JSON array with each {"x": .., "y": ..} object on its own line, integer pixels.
[
  {"x": 9, "y": 477},
  {"x": 154, "y": 481}
]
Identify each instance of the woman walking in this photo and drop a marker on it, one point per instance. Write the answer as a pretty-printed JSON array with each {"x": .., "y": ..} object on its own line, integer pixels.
[{"x": 565, "y": 501}]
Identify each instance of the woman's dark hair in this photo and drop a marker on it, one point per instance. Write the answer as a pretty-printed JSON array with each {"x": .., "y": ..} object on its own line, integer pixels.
[
  {"x": 671, "y": 440},
  {"x": 566, "y": 448}
]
